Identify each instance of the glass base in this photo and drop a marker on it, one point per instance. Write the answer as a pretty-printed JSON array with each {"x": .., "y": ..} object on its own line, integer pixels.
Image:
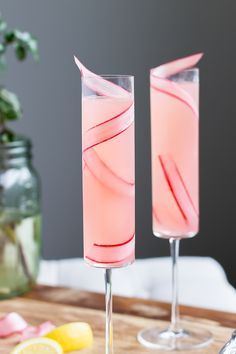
[{"x": 185, "y": 339}]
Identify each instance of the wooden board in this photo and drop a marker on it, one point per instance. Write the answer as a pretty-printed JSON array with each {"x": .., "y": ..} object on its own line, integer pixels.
[
  {"x": 126, "y": 305},
  {"x": 126, "y": 326}
]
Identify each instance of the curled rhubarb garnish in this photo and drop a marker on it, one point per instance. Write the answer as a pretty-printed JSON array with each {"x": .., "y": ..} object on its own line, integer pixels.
[
  {"x": 160, "y": 80},
  {"x": 94, "y": 138},
  {"x": 176, "y": 66},
  {"x": 98, "y": 84}
]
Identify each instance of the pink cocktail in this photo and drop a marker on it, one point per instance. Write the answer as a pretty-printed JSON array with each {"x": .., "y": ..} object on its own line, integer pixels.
[
  {"x": 108, "y": 176},
  {"x": 174, "y": 91}
]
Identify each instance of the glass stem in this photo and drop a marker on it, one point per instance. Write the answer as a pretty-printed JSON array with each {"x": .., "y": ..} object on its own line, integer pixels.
[
  {"x": 174, "y": 250},
  {"x": 109, "y": 330}
]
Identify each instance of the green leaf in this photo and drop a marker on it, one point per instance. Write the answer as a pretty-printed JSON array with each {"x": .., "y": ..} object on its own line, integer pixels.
[
  {"x": 21, "y": 52},
  {"x": 26, "y": 40},
  {"x": 9, "y": 37},
  {"x": 10, "y": 108}
]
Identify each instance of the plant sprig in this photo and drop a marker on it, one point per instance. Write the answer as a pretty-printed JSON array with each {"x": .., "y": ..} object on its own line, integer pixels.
[{"x": 23, "y": 44}]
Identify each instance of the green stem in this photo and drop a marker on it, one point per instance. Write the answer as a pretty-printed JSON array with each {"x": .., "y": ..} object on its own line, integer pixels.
[
  {"x": 11, "y": 235},
  {"x": 24, "y": 264}
]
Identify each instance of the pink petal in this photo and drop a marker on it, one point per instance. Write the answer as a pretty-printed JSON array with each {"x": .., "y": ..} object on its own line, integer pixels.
[{"x": 11, "y": 324}]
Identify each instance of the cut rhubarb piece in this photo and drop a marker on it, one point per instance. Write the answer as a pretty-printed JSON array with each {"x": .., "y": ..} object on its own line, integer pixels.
[
  {"x": 109, "y": 129},
  {"x": 101, "y": 253},
  {"x": 105, "y": 175},
  {"x": 116, "y": 244},
  {"x": 37, "y": 331},
  {"x": 11, "y": 324},
  {"x": 171, "y": 89},
  {"x": 179, "y": 190}
]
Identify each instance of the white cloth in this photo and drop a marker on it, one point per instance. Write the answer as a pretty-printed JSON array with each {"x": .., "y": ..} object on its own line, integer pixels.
[{"x": 202, "y": 280}]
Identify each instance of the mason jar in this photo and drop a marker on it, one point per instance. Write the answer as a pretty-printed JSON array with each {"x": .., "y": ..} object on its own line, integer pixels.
[{"x": 20, "y": 219}]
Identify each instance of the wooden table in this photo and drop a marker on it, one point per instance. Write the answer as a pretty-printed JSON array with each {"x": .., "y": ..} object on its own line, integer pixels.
[{"x": 62, "y": 305}]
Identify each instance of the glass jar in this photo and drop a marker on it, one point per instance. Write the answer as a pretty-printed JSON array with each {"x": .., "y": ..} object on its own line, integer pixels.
[{"x": 20, "y": 221}]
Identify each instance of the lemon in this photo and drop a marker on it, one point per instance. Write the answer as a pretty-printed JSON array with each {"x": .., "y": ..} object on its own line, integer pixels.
[
  {"x": 38, "y": 345},
  {"x": 72, "y": 336}
]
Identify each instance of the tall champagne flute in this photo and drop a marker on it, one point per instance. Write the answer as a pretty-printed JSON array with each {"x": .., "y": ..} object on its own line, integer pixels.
[
  {"x": 108, "y": 176},
  {"x": 175, "y": 198}
]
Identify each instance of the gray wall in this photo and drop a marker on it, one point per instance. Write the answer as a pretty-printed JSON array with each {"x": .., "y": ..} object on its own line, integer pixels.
[{"x": 127, "y": 36}]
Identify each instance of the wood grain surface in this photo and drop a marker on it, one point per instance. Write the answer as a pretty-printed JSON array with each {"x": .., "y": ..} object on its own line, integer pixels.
[
  {"x": 61, "y": 305},
  {"x": 126, "y": 327},
  {"x": 133, "y": 306}
]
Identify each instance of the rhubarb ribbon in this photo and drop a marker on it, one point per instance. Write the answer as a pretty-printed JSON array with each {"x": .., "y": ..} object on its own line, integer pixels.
[
  {"x": 160, "y": 80},
  {"x": 98, "y": 84},
  {"x": 37, "y": 331},
  {"x": 14, "y": 324},
  {"x": 11, "y": 324},
  {"x": 99, "y": 134}
]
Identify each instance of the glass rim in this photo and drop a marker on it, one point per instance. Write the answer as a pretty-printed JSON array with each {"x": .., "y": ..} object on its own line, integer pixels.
[
  {"x": 112, "y": 76},
  {"x": 194, "y": 69}
]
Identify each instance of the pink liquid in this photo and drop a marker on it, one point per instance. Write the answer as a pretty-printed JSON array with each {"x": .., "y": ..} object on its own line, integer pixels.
[
  {"x": 174, "y": 129},
  {"x": 108, "y": 180}
]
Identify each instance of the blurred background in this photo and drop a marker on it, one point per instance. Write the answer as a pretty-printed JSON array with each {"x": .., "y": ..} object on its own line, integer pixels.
[{"x": 127, "y": 37}]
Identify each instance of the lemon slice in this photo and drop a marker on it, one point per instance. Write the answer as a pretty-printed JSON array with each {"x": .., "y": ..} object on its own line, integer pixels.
[
  {"x": 38, "y": 345},
  {"x": 72, "y": 336}
]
